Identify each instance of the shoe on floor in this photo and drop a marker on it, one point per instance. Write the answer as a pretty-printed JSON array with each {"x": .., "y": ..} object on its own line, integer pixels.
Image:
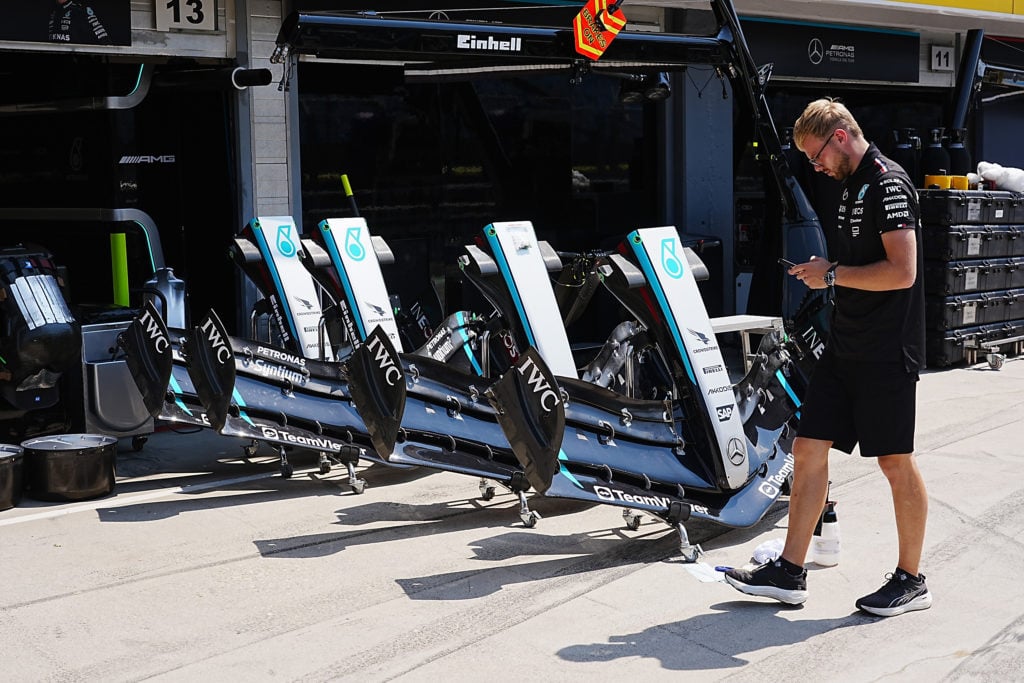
[
  {"x": 902, "y": 592},
  {"x": 770, "y": 580}
]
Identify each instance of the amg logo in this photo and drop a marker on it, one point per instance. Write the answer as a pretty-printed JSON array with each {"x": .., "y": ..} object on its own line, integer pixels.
[
  {"x": 471, "y": 42},
  {"x": 147, "y": 159},
  {"x": 711, "y": 369},
  {"x": 724, "y": 413}
]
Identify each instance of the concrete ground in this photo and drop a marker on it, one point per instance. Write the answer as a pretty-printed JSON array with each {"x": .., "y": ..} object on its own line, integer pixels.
[{"x": 205, "y": 566}]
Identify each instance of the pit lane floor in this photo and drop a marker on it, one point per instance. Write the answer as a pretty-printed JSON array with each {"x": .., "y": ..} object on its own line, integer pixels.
[{"x": 203, "y": 565}]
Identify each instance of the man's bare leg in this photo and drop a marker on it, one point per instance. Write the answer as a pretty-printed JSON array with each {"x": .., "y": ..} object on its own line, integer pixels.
[
  {"x": 910, "y": 502},
  {"x": 807, "y": 497}
]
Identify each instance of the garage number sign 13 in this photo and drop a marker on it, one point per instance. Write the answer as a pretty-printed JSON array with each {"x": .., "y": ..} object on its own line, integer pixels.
[{"x": 192, "y": 15}]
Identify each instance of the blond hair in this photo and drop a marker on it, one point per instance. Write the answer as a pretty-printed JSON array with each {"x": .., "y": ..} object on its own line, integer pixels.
[{"x": 821, "y": 118}]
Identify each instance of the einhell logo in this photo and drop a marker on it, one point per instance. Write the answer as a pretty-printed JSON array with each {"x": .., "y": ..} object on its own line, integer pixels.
[
  {"x": 135, "y": 159},
  {"x": 471, "y": 42}
]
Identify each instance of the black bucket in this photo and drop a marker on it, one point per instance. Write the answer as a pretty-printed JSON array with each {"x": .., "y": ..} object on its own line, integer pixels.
[
  {"x": 11, "y": 458},
  {"x": 69, "y": 466}
]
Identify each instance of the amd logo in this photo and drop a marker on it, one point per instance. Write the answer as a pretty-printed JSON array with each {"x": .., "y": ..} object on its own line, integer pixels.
[{"x": 135, "y": 159}]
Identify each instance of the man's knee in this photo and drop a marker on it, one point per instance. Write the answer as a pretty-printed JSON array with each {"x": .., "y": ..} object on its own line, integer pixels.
[{"x": 810, "y": 451}]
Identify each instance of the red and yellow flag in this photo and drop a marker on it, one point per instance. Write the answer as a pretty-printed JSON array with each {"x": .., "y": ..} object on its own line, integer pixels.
[{"x": 595, "y": 27}]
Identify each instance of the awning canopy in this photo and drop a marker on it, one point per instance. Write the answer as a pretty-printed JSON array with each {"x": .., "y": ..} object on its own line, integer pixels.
[{"x": 438, "y": 44}]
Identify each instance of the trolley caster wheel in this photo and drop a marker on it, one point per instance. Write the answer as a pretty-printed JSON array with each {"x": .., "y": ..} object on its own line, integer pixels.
[
  {"x": 138, "y": 442},
  {"x": 690, "y": 553},
  {"x": 995, "y": 360},
  {"x": 487, "y": 493},
  {"x": 287, "y": 470},
  {"x": 325, "y": 467},
  {"x": 358, "y": 486},
  {"x": 632, "y": 519},
  {"x": 529, "y": 519}
]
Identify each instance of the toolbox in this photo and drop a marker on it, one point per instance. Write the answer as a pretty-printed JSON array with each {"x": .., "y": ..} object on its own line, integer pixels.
[
  {"x": 957, "y": 242},
  {"x": 971, "y": 207},
  {"x": 962, "y": 310},
  {"x": 974, "y": 275}
]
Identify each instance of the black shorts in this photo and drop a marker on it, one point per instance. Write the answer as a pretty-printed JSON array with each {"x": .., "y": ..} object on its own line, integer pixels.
[{"x": 851, "y": 402}]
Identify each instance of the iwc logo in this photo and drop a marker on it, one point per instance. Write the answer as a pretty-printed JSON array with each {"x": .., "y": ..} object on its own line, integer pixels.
[{"x": 815, "y": 51}]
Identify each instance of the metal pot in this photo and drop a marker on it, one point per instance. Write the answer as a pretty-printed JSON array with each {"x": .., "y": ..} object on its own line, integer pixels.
[
  {"x": 11, "y": 458},
  {"x": 69, "y": 466}
]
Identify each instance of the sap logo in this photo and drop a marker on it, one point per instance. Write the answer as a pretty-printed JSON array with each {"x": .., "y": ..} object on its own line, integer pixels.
[
  {"x": 711, "y": 369},
  {"x": 539, "y": 385},
  {"x": 471, "y": 42},
  {"x": 155, "y": 331},
  {"x": 384, "y": 361},
  {"x": 222, "y": 353},
  {"x": 724, "y": 413},
  {"x": 135, "y": 159}
]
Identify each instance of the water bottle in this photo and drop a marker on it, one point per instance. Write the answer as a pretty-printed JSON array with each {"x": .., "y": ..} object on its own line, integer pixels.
[
  {"x": 825, "y": 542},
  {"x": 172, "y": 291}
]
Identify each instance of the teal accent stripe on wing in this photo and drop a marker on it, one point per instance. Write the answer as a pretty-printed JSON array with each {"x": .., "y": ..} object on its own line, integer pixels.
[
  {"x": 241, "y": 405},
  {"x": 789, "y": 390},
  {"x": 565, "y": 472},
  {"x": 659, "y": 293},
  {"x": 465, "y": 344},
  {"x": 339, "y": 267},
  {"x": 499, "y": 257},
  {"x": 176, "y": 388}
]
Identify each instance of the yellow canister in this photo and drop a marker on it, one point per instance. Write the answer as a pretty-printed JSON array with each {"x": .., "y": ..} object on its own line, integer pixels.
[{"x": 936, "y": 182}]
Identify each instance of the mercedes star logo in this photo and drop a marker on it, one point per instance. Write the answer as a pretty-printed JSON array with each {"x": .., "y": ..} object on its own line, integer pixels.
[
  {"x": 815, "y": 51},
  {"x": 737, "y": 451}
]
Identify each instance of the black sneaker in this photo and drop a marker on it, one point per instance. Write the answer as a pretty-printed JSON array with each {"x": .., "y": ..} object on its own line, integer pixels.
[
  {"x": 770, "y": 580},
  {"x": 901, "y": 593}
]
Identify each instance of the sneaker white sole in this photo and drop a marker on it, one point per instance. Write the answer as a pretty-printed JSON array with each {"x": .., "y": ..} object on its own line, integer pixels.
[
  {"x": 918, "y": 603},
  {"x": 790, "y": 597}
]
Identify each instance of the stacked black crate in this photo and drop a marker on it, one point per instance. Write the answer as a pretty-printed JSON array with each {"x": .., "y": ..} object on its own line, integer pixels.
[{"x": 974, "y": 271}]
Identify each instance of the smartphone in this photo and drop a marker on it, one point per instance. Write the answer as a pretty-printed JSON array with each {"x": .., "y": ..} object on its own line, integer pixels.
[{"x": 786, "y": 262}]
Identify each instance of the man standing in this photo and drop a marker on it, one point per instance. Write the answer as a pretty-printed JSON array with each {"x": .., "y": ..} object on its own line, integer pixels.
[{"x": 863, "y": 389}]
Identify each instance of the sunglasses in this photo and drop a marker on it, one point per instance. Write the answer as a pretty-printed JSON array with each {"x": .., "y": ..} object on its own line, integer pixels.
[{"x": 814, "y": 160}]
